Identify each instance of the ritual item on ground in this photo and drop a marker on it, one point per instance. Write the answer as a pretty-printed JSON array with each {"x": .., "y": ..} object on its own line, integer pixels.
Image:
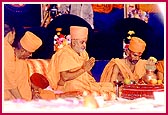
[
  {"x": 150, "y": 76},
  {"x": 145, "y": 86},
  {"x": 117, "y": 84},
  {"x": 134, "y": 91},
  {"x": 90, "y": 101}
]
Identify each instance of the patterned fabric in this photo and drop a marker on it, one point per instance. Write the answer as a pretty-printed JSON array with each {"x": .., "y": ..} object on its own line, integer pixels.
[
  {"x": 84, "y": 11},
  {"x": 38, "y": 66}
]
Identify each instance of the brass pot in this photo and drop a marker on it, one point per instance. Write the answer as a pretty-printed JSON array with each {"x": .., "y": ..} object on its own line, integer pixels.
[{"x": 148, "y": 76}]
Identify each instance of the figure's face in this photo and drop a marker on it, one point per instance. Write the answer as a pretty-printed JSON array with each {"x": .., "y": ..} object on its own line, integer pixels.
[
  {"x": 25, "y": 54},
  {"x": 79, "y": 45},
  {"x": 21, "y": 53},
  {"x": 134, "y": 57}
]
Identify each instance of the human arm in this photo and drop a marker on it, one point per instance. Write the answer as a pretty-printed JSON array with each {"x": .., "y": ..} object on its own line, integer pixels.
[
  {"x": 69, "y": 75},
  {"x": 115, "y": 76},
  {"x": 115, "y": 73}
]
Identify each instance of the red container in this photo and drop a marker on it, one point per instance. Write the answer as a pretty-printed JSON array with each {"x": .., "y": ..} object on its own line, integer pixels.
[{"x": 134, "y": 91}]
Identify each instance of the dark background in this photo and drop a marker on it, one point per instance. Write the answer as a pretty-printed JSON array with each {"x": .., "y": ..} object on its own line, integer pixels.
[{"x": 105, "y": 40}]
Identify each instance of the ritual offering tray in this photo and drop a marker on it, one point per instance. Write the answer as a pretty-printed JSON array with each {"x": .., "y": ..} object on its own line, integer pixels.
[{"x": 134, "y": 91}]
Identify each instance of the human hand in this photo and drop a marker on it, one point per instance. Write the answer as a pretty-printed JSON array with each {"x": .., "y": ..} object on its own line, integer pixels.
[
  {"x": 87, "y": 66},
  {"x": 35, "y": 95}
]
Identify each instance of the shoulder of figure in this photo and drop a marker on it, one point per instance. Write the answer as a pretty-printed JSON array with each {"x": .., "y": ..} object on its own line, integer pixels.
[{"x": 143, "y": 60}]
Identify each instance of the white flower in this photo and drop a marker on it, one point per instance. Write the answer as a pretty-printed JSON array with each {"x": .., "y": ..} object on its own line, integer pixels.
[
  {"x": 153, "y": 59},
  {"x": 55, "y": 37},
  {"x": 131, "y": 32}
]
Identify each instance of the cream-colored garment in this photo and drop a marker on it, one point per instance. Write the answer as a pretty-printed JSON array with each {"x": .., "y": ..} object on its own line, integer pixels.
[
  {"x": 10, "y": 37},
  {"x": 67, "y": 59},
  {"x": 125, "y": 70},
  {"x": 15, "y": 73}
]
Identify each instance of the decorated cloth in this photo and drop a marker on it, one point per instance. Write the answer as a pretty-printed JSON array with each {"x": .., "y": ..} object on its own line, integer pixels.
[
  {"x": 30, "y": 42},
  {"x": 15, "y": 73},
  {"x": 38, "y": 66},
  {"x": 78, "y": 32},
  {"x": 124, "y": 69},
  {"x": 137, "y": 45},
  {"x": 67, "y": 59}
]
